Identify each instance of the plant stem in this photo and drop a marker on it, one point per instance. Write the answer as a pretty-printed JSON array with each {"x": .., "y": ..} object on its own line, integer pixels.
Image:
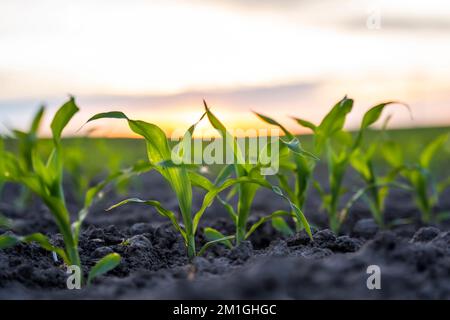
[
  {"x": 335, "y": 225},
  {"x": 191, "y": 247},
  {"x": 298, "y": 224},
  {"x": 240, "y": 235}
]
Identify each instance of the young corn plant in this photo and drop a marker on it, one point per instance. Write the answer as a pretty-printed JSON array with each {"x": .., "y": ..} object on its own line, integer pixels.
[
  {"x": 377, "y": 186},
  {"x": 247, "y": 191},
  {"x": 27, "y": 142},
  {"x": 180, "y": 177},
  {"x": 419, "y": 176},
  {"x": 338, "y": 147},
  {"x": 293, "y": 158},
  {"x": 45, "y": 179}
]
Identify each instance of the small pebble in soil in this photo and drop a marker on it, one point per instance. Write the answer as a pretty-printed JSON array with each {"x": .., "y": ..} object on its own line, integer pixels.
[
  {"x": 347, "y": 244},
  {"x": 425, "y": 234},
  {"x": 241, "y": 252},
  {"x": 300, "y": 238},
  {"x": 101, "y": 252},
  {"x": 278, "y": 248},
  {"x": 139, "y": 242},
  {"x": 325, "y": 236}
]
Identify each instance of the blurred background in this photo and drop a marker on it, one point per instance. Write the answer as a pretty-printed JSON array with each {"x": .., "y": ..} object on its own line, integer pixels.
[{"x": 156, "y": 60}]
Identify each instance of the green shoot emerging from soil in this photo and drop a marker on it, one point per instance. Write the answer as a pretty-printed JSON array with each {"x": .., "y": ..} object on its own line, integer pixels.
[
  {"x": 339, "y": 147},
  {"x": 27, "y": 144},
  {"x": 420, "y": 177},
  {"x": 377, "y": 186},
  {"x": 45, "y": 179},
  {"x": 293, "y": 158},
  {"x": 180, "y": 178},
  {"x": 246, "y": 191}
]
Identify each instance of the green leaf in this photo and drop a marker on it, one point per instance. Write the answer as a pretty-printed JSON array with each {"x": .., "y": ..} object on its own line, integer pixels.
[
  {"x": 166, "y": 164},
  {"x": 292, "y": 142},
  {"x": 158, "y": 151},
  {"x": 275, "y": 123},
  {"x": 228, "y": 138},
  {"x": 281, "y": 226},
  {"x": 108, "y": 115},
  {"x": 230, "y": 210},
  {"x": 8, "y": 241},
  {"x": 182, "y": 154},
  {"x": 37, "y": 120},
  {"x": 212, "y": 234},
  {"x": 103, "y": 266},
  {"x": 299, "y": 215},
  {"x": 5, "y": 222},
  {"x": 209, "y": 197},
  {"x": 431, "y": 149},
  {"x": 295, "y": 146},
  {"x": 360, "y": 164},
  {"x": 334, "y": 121},
  {"x": 393, "y": 154},
  {"x": 344, "y": 212},
  {"x": 306, "y": 124},
  {"x": 212, "y": 243},
  {"x": 262, "y": 220},
  {"x": 284, "y": 184},
  {"x": 372, "y": 116},
  {"x": 443, "y": 185},
  {"x": 62, "y": 118},
  {"x": 44, "y": 242},
  {"x": 200, "y": 181},
  {"x": 224, "y": 174}
]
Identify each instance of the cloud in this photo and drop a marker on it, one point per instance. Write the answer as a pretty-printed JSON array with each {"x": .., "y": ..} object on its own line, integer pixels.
[
  {"x": 15, "y": 112},
  {"x": 234, "y": 98}
]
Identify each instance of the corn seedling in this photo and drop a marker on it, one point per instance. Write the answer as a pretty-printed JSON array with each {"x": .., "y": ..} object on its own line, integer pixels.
[
  {"x": 377, "y": 186},
  {"x": 27, "y": 142},
  {"x": 338, "y": 147},
  {"x": 247, "y": 191},
  {"x": 293, "y": 158},
  {"x": 419, "y": 175},
  {"x": 180, "y": 178},
  {"x": 45, "y": 179}
]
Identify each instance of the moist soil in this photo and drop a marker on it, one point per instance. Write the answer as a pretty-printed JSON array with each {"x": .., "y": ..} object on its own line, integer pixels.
[{"x": 414, "y": 258}]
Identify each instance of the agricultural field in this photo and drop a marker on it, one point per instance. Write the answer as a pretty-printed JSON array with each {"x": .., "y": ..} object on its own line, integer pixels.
[{"x": 140, "y": 225}]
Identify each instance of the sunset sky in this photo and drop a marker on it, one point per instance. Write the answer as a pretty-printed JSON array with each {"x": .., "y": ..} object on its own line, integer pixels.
[{"x": 156, "y": 60}]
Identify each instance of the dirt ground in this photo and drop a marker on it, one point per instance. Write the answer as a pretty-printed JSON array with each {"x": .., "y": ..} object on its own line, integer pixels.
[{"x": 414, "y": 259}]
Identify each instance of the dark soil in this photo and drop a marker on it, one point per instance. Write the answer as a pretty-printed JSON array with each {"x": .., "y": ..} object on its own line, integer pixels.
[{"x": 414, "y": 259}]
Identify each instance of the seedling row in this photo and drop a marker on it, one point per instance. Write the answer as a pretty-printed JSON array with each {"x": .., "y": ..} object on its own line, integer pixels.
[{"x": 234, "y": 186}]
